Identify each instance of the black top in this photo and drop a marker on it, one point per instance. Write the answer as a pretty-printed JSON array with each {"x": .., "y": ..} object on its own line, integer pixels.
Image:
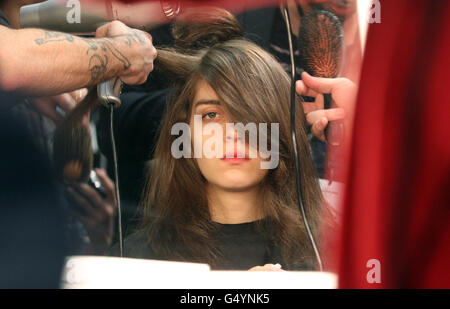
[{"x": 242, "y": 246}]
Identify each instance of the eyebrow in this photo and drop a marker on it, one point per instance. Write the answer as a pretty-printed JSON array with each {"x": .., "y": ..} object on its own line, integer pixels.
[{"x": 202, "y": 102}]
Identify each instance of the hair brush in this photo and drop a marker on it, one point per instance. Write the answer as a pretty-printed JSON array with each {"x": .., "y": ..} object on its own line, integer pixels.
[{"x": 320, "y": 42}]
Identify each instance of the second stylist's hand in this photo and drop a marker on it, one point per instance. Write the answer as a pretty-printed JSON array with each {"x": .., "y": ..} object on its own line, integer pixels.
[
  {"x": 95, "y": 212},
  {"x": 48, "y": 106},
  {"x": 139, "y": 50},
  {"x": 267, "y": 267},
  {"x": 343, "y": 93}
]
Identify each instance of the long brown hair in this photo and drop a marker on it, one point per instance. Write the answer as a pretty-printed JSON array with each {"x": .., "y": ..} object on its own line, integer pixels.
[{"x": 253, "y": 87}]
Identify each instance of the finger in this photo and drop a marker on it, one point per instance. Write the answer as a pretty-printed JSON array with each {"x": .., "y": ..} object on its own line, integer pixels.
[
  {"x": 79, "y": 95},
  {"x": 87, "y": 221},
  {"x": 320, "y": 99},
  {"x": 309, "y": 107},
  {"x": 102, "y": 209},
  {"x": 48, "y": 108},
  {"x": 318, "y": 104},
  {"x": 273, "y": 266},
  {"x": 148, "y": 35},
  {"x": 108, "y": 184},
  {"x": 102, "y": 31},
  {"x": 319, "y": 84},
  {"x": 118, "y": 28},
  {"x": 267, "y": 267},
  {"x": 330, "y": 114},
  {"x": 318, "y": 129},
  {"x": 65, "y": 101},
  {"x": 83, "y": 204},
  {"x": 302, "y": 89},
  {"x": 333, "y": 114},
  {"x": 256, "y": 268}
]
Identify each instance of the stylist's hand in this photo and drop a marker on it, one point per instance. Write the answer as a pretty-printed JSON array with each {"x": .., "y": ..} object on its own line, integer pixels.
[
  {"x": 47, "y": 106},
  {"x": 343, "y": 92},
  {"x": 95, "y": 212},
  {"x": 267, "y": 267},
  {"x": 139, "y": 50}
]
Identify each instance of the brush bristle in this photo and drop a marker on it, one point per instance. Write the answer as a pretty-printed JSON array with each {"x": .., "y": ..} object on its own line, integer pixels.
[{"x": 320, "y": 43}]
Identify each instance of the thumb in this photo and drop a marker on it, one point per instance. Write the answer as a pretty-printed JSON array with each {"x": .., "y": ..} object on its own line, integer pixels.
[{"x": 319, "y": 84}]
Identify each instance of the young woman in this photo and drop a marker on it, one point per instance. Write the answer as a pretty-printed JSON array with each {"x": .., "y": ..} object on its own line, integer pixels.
[{"x": 226, "y": 212}]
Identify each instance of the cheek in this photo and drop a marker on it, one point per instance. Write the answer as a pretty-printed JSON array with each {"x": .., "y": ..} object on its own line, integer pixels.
[{"x": 208, "y": 141}]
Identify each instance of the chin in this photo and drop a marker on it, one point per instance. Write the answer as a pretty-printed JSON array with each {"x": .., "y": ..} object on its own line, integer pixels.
[{"x": 237, "y": 180}]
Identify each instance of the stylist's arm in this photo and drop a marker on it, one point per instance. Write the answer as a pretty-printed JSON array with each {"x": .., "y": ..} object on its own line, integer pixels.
[{"x": 47, "y": 63}]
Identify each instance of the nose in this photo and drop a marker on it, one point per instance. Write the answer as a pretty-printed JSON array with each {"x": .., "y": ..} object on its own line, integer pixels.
[{"x": 231, "y": 134}]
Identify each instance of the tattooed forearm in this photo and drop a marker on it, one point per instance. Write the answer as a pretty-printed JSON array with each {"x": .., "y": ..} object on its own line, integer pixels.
[
  {"x": 50, "y": 36},
  {"x": 105, "y": 60}
]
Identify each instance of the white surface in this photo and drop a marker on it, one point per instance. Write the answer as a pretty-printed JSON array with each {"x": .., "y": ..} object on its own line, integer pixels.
[{"x": 111, "y": 272}]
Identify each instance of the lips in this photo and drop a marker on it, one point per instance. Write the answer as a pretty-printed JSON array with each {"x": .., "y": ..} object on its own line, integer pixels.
[
  {"x": 235, "y": 161},
  {"x": 235, "y": 158}
]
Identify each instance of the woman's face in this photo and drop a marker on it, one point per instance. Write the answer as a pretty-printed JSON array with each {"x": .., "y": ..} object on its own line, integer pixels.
[{"x": 225, "y": 169}]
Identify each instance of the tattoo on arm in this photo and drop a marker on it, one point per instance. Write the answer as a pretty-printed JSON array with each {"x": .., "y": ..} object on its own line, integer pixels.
[
  {"x": 98, "y": 63},
  {"x": 50, "y": 37},
  {"x": 134, "y": 37},
  {"x": 101, "y": 48},
  {"x": 98, "y": 67}
]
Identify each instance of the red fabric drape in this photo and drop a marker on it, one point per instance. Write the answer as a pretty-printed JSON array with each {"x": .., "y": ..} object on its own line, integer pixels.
[{"x": 397, "y": 205}]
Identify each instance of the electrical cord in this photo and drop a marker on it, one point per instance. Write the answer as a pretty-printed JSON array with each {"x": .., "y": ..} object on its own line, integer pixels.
[
  {"x": 116, "y": 176},
  {"x": 294, "y": 137}
]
